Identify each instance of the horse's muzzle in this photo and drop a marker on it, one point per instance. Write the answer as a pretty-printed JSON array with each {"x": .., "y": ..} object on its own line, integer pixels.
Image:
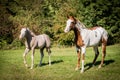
[{"x": 20, "y": 37}]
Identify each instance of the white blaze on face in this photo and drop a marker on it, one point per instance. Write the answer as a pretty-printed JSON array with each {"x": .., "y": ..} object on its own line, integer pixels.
[
  {"x": 22, "y": 34},
  {"x": 67, "y": 29}
]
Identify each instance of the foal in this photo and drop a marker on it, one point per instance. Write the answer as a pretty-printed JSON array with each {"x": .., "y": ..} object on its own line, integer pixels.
[
  {"x": 33, "y": 41},
  {"x": 85, "y": 37}
]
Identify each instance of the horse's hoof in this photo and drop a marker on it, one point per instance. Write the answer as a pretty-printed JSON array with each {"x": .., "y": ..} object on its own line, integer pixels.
[
  {"x": 31, "y": 68},
  {"x": 26, "y": 65},
  {"x": 76, "y": 69},
  {"x": 82, "y": 71},
  {"x": 49, "y": 64},
  {"x": 99, "y": 66},
  {"x": 39, "y": 65},
  {"x": 93, "y": 65}
]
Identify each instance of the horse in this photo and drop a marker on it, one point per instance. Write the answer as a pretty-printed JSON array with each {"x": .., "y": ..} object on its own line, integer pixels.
[
  {"x": 35, "y": 41},
  {"x": 84, "y": 38}
]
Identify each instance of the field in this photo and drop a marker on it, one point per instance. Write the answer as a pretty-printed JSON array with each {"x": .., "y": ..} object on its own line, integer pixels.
[{"x": 63, "y": 64}]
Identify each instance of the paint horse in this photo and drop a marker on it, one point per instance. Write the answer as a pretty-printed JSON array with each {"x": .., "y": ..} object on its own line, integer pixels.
[
  {"x": 87, "y": 37},
  {"x": 34, "y": 41}
]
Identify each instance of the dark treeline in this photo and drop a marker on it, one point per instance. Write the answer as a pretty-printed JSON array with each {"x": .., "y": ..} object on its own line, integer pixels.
[{"x": 49, "y": 16}]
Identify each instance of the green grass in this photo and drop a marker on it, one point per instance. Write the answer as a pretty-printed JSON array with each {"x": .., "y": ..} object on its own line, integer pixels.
[{"x": 63, "y": 64}]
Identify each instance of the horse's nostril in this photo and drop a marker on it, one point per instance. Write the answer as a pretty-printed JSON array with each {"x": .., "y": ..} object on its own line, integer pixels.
[
  {"x": 20, "y": 37},
  {"x": 65, "y": 31}
]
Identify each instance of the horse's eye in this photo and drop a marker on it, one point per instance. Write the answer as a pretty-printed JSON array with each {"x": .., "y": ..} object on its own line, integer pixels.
[{"x": 73, "y": 22}]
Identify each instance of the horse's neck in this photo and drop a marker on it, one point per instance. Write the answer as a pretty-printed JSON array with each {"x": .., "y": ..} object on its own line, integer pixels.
[
  {"x": 29, "y": 37},
  {"x": 80, "y": 25},
  {"x": 78, "y": 37},
  {"x": 33, "y": 34}
]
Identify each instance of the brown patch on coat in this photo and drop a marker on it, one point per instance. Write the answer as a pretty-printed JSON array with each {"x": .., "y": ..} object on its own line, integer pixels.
[
  {"x": 94, "y": 28},
  {"x": 78, "y": 39}
]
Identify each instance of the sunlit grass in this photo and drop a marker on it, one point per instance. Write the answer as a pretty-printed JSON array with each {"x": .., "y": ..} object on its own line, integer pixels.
[{"x": 63, "y": 64}]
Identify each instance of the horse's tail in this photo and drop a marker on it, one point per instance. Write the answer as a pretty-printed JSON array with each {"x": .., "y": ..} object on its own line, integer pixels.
[
  {"x": 104, "y": 36},
  {"x": 48, "y": 43}
]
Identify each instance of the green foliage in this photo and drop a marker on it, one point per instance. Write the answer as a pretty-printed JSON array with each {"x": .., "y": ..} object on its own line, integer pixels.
[
  {"x": 66, "y": 39},
  {"x": 6, "y": 27},
  {"x": 3, "y": 44},
  {"x": 49, "y": 16},
  {"x": 16, "y": 44}
]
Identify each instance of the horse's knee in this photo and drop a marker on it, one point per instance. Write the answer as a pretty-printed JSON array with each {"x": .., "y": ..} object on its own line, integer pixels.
[
  {"x": 42, "y": 55},
  {"x": 104, "y": 51},
  {"x": 96, "y": 54},
  {"x": 48, "y": 50}
]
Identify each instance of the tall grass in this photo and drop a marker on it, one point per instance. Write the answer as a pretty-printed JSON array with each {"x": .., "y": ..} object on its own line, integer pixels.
[{"x": 63, "y": 64}]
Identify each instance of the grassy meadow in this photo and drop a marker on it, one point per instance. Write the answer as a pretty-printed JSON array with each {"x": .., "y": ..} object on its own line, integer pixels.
[{"x": 63, "y": 64}]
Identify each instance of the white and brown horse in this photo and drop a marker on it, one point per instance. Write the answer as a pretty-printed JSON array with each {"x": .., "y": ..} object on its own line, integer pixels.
[{"x": 87, "y": 37}]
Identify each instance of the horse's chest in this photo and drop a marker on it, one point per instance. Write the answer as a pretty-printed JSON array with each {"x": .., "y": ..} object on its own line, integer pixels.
[{"x": 79, "y": 41}]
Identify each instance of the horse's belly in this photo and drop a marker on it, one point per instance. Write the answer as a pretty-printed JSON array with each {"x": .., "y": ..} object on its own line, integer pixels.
[
  {"x": 41, "y": 43},
  {"x": 94, "y": 42}
]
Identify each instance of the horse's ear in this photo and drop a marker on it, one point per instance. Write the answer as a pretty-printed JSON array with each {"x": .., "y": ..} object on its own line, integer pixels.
[
  {"x": 73, "y": 17},
  {"x": 68, "y": 16},
  {"x": 27, "y": 28}
]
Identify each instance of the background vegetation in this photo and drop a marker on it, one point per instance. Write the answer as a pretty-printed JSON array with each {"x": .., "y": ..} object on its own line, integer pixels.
[{"x": 49, "y": 16}]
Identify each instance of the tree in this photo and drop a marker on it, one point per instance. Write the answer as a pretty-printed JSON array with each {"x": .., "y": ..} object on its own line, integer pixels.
[{"x": 49, "y": 16}]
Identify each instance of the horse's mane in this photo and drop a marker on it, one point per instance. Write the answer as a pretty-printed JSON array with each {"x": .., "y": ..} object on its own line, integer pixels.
[
  {"x": 32, "y": 33},
  {"x": 80, "y": 25}
]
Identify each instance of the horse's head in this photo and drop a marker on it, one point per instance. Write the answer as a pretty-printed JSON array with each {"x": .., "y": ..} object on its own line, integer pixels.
[
  {"x": 70, "y": 25},
  {"x": 23, "y": 33}
]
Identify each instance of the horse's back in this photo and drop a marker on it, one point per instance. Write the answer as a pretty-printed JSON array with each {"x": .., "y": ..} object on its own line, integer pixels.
[
  {"x": 96, "y": 35},
  {"x": 38, "y": 41},
  {"x": 43, "y": 39}
]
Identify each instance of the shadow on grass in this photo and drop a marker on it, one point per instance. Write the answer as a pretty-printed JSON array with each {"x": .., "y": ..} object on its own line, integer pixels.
[
  {"x": 53, "y": 62},
  {"x": 106, "y": 62}
]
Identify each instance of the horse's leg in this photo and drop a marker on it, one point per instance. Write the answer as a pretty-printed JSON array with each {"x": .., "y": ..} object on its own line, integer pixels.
[
  {"x": 78, "y": 59},
  {"x": 103, "y": 54},
  {"x": 49, "y": 53},
  {"x": 96, "y": 54},
  {"x": 42, "y": 55},
  {"x": 32, "y": 57},
  {"x": 24, "y": 56},
  {"x": 83, "y": 58}
]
